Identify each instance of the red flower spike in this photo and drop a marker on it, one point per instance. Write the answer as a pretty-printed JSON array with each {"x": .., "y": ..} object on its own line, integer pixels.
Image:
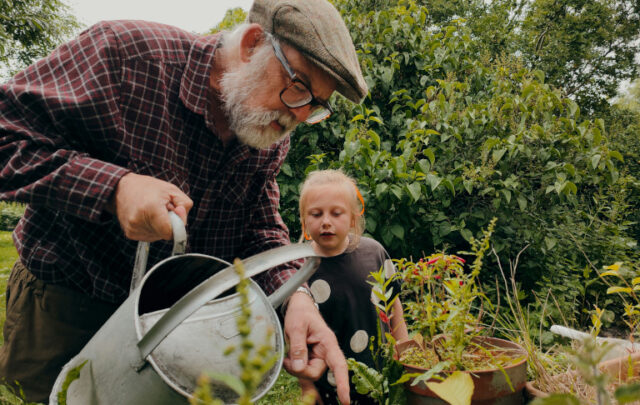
[
  {"x": 383, "y": 317},
  {"x": 461, "y": 282},
  {"x": 437, "y": 276},
  {"x": 460, "y": 259},
  {"x": 433, "y": 260}
]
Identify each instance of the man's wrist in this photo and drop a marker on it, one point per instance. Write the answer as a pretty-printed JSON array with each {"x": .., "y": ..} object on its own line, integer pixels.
[{"x": 302, "y": 290}]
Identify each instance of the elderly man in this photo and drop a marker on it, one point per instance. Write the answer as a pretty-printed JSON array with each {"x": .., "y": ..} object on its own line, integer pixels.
[{"x": 132, "y": 119}]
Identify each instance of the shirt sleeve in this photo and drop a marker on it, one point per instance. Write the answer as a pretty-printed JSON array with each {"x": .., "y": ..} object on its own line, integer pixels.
[
  {"x": 55, "y": 119},
  {"x": 267, "y": 230}
]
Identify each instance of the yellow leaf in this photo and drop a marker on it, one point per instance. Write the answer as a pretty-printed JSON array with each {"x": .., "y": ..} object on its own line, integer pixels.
[
  {"x": 613, "y": 290},
  {"x": 614, "y": 267},
  {"x": 456, "y": 389},
  {"x": 635, "y": 281},
  {"x": 609, "y": 273}
]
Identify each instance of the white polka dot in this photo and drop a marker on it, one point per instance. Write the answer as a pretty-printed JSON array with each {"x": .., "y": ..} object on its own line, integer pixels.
[
  {"x": 320, "y": 290},
  {"x": 331, "y": 379},
  {"x": 359, "y": 341}
]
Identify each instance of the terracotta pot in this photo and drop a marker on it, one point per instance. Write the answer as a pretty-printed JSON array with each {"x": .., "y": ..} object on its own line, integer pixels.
[
  {"x": 617, "y": 368},
  {"x": 490, "y": 386}
]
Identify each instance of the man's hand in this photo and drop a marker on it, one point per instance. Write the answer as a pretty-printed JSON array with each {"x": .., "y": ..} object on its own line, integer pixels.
[
  {"x": 141, "y": 204},
  {"x": 304, "y": 327}
]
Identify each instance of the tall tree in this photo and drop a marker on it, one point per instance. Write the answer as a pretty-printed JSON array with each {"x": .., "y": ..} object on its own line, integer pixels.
[
  {"x": 30, "y": 29},
  {"x": 586, "y": 47}
]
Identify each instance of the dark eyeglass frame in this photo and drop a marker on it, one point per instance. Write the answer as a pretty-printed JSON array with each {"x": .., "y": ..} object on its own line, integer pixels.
[{"x": 313, "y": 101}]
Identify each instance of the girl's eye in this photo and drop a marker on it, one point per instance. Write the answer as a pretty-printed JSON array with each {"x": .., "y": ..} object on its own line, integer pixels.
[{"x": 315, "y": 214}]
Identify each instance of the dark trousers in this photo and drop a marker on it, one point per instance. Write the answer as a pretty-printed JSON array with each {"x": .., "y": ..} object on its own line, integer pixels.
[{"x": 46, "y": 326}]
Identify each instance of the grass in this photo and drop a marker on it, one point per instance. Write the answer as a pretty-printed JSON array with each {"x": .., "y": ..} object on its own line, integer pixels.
[{"x": 8, "y": 256}]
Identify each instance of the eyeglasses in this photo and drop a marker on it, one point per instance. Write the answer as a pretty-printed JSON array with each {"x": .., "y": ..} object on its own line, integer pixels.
[{"x": 297, "y": 93}]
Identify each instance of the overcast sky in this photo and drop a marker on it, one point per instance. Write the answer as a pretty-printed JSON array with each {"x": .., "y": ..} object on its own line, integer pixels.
[{"x": 192, "y": 15}]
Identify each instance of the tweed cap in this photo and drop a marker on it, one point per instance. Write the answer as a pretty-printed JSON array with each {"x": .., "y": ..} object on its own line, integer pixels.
[{"x": 316, "y": 29}]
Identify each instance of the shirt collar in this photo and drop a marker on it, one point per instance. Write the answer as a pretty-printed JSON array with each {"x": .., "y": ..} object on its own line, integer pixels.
[{"x": 194, "y": 87}]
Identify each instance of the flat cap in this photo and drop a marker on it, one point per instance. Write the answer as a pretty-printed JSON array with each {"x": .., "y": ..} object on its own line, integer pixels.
[{"x": 316, "y": 29}]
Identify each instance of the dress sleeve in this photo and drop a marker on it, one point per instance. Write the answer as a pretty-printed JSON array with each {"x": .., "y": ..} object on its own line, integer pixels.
[{"x": 55, "y": 120}]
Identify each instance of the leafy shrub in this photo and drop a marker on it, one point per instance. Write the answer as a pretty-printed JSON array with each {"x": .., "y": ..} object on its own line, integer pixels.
[
  {"x": 10, "y": 214},
  {"x": 449, "y": 138}
]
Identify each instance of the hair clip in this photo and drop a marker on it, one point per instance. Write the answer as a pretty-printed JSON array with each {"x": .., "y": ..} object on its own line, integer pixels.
[{"x": 361, "y": 199}]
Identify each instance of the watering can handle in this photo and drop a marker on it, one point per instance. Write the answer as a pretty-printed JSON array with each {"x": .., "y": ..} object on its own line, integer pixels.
[
  {"x": 142, "y": 253},
  {"x": 226, "y": 279}
]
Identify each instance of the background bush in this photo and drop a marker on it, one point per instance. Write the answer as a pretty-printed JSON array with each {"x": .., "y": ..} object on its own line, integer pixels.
[
  {"x": 10, "y": 214},
  {"x": 452, "y": 135}
]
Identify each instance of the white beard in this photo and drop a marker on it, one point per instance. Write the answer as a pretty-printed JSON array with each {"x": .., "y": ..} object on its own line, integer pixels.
[{"x": 252, "y": 124}]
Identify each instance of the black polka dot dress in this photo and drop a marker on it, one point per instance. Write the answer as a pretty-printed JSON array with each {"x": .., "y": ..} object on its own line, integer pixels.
[{"x": 344, "y": 296}]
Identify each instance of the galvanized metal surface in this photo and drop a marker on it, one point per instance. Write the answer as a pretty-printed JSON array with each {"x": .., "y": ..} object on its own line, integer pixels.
[{"x": 152, "y": 358}]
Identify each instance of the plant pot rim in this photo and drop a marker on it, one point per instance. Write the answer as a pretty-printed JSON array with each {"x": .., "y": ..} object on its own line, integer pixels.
[
  {"x": 490, "y": 383},
  {"x": 403, "y": 345}
]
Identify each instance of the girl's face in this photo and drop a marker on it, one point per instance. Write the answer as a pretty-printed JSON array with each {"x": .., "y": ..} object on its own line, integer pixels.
[{"x": 328, "y": 218}]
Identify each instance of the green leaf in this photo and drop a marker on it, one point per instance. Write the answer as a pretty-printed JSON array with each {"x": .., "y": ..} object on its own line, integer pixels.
[
  {"x": 616, "y": 155},
  {"x": 507, "y": 195},
  {"x": 549, "y": 242},
  {"x": 415, "y": 190},
  {"x": 595, "y": 159},
  {"x": 497, "y": 154},
  {"x": 627, "y": 393},
  {"x": 380, "y": 189},
  {"x": 375, "y": 137},
  {"x": 376, "y": 119},
  {"x": 522, "y": 202},
  {"x": 365, "y": 379},
  {"x": 614, "y": 290},
  {"x": 466, "y": 234},
  {"x": 398, "y": 231},
  {"x": 286, "y": 169},
  {"x": 429, "y": 154},
  {"x": 468, "y": 185},
  {"x": 71, "y": 376},
  {"x": 434, "y": 181},
  {"x": 456, "y": 389},
  {"x": 230, "y": 381},
  {"x": 357, "y": 118}
]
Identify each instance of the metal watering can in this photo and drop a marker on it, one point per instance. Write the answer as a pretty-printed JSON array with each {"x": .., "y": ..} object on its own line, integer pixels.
[{"x": 175, "y": 325}]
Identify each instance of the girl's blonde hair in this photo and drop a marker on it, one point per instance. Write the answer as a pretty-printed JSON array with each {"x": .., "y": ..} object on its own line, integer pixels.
[{"x": 336, "y": 177}]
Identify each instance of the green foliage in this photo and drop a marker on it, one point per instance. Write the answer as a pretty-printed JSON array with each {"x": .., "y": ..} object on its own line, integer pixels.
[
  {"x": 10, "y": 214},
  {"x": 442, "y": 301},
  {"x": 30, "y": 29},
  {"x": 381, "y": 383},
  {"x": 71, "y": 376},
  {"x": 233, "y": 17},
  {"x": 585, "y": 47},
  {"x": 9, "y": 396},
  {"x": 450, "y": 137}
]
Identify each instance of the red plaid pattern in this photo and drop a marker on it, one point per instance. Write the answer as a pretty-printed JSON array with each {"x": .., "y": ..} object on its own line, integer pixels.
[{"x": 128, "y": 97}]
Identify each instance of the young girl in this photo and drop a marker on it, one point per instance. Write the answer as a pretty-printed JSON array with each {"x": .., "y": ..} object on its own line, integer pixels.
[{"x": 331, "y": 213}]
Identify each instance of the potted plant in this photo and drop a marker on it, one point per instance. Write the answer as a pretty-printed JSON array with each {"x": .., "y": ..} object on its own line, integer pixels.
[{"x": 444, "y": 305}]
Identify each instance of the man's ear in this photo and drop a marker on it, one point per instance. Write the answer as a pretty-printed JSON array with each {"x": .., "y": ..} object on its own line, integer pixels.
[{"x": 250, "y": 40}]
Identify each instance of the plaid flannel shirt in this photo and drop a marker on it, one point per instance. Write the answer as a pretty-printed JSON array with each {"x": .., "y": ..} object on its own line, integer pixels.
[{"x": 126, "y": 97}]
